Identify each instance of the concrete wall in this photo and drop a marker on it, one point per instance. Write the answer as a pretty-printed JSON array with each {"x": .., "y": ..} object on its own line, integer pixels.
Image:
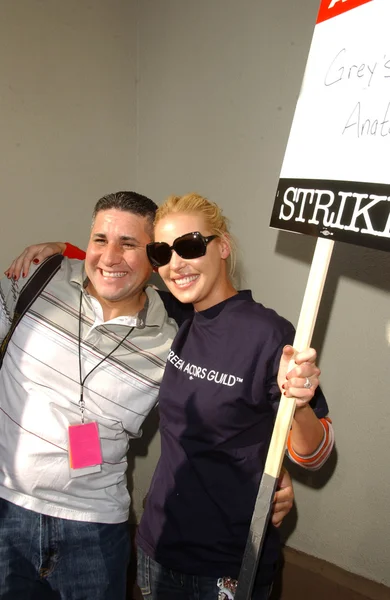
[
  {"x": 218, "y": 83},
  {"x": 67, "y": 115}
]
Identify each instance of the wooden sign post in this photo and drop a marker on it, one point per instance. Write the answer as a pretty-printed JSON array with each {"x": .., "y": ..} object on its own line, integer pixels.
[{"x": 334, "y": 184}]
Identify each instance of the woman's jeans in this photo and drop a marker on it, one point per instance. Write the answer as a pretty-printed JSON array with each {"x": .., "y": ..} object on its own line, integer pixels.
[
  {"x": 159, "y": 583},
  {"x": 45, "y": 558}
]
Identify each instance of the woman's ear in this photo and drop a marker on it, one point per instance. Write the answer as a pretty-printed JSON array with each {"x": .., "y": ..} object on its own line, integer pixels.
[{"x": 225, "y": 246}]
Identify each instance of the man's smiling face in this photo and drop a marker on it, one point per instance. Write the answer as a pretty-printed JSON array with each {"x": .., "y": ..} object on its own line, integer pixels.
[{"x": 116, "y": 263}]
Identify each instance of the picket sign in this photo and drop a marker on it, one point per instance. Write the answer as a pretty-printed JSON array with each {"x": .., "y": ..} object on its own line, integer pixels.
[{"x": 334, "y": 185}]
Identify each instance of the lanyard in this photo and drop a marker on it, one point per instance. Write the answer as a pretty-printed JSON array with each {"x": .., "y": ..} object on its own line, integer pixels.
[{"x": 82, "y": 381}]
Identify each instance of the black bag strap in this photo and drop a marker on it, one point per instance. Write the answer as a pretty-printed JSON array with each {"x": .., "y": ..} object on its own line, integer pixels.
[{"x": 30, "y": 293}]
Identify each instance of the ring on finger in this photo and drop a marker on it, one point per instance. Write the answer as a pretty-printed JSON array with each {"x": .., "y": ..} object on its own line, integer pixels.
[{"x": 308, "y": 384}]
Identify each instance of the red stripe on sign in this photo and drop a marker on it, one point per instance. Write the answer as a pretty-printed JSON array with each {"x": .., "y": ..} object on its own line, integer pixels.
[{"x": 333, "y": 8}]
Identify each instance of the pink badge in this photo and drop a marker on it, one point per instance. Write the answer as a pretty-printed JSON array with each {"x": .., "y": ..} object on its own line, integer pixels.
[{"x": 84, "y": 445}]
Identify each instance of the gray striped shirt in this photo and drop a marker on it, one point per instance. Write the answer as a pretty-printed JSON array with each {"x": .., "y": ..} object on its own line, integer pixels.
[{"x": 40, "y": 391}]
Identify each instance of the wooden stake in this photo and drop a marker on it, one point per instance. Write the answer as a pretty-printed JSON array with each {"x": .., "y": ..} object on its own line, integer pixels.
[{"x": 277, "y": 448}]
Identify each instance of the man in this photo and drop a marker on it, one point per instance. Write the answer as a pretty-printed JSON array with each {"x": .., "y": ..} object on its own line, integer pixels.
[
  {"x": 92, "y": 348},
  {"x": 81, "y": 372}
]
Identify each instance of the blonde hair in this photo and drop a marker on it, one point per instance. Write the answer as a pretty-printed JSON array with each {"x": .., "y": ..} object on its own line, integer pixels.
[{"x": 216, "y": 222}]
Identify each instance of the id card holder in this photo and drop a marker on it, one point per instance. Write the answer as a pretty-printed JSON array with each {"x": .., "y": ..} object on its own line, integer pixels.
[{"x": 85, "y": 454}]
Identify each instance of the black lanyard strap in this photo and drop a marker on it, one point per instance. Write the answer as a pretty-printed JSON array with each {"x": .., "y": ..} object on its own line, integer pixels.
[{"x": 82, "y": 381}]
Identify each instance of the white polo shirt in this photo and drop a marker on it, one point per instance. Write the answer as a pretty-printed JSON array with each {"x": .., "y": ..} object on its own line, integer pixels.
[{"x": 40, "y": 392}]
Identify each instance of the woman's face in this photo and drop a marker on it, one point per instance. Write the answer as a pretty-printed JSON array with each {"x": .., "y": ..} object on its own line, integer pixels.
[{"x": 201, "y": 281}]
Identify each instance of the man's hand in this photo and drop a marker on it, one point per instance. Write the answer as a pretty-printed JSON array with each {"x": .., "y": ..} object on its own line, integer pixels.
[
  {"x": 36, "y": 253},
  {"x": 283, "y": 499}
]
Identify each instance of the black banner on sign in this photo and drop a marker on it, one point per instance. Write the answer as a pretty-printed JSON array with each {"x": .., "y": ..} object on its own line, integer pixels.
[{"x": 345, "y": 211}]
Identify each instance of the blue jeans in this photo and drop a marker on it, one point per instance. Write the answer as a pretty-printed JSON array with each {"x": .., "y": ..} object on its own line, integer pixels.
[
  {"x": 45, "y": 558},
  {"x": 158, "y": 583}
]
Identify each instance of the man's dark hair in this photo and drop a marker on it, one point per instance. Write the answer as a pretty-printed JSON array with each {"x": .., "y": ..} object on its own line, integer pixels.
[{"x": 129, "y": 202}]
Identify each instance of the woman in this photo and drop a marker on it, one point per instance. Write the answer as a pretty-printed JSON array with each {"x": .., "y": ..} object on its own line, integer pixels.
[{"x": 217, "y": 405}]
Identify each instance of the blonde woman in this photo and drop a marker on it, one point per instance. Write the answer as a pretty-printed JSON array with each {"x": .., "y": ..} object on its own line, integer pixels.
[{"x": 217, "y": 405}]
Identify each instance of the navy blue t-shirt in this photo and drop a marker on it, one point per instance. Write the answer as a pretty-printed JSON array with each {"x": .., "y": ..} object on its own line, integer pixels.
[{"x": 217, "y": 406}]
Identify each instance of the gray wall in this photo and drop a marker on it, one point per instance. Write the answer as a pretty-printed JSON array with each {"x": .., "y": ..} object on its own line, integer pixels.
[
  {"x": 204, "y": 102},
  {"x": 67, "y": 114}
]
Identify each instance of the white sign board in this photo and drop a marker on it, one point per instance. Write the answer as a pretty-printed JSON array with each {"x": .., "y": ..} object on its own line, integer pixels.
[{"x": 335, "y": 178}]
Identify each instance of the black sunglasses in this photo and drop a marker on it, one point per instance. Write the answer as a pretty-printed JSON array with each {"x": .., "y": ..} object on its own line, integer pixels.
[{"x": 190, "y": 245}]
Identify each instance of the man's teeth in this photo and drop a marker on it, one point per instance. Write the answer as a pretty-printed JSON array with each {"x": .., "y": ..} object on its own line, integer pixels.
[
  {"x": 114, "y": 274},
  {"x": 185, "y": 280}
]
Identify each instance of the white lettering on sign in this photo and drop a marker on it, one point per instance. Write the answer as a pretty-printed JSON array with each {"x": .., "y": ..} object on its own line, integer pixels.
[
  {"x": 314, "y": 206},
  {"x": 334, "y": 2}
]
